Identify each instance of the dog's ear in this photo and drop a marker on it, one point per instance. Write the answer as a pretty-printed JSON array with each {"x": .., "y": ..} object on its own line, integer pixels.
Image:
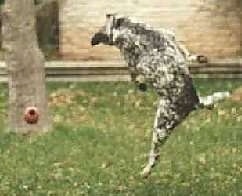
[{"x": 99, "y": 38}]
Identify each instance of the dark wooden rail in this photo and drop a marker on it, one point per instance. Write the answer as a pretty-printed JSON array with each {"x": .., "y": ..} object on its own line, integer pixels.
[{"x": 117, "y": 71}]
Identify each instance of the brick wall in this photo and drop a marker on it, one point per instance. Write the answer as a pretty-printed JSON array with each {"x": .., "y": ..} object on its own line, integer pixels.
[{"x": 209, "y": 27}]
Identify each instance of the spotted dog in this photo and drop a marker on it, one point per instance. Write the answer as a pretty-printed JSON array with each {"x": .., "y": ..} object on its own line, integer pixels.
[{"x": 157, "y": 59}]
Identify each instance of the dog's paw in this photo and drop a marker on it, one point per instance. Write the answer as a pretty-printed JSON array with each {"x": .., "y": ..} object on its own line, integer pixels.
[
  {"x": 202, "y": 59},
  {"x": 142, "y": 87},
  {"x": 146, "y": 172}
]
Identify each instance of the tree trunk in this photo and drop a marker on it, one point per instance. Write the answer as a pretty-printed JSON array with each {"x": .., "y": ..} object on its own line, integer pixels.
[{"x": 25, "y": 64}]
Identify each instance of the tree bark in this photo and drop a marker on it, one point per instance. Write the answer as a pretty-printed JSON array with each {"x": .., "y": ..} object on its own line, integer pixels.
[{"x": 25, "y": 64}]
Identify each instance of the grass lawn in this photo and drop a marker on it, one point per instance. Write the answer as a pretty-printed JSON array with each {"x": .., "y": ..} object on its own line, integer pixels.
[{"x": 101, "y": 139}]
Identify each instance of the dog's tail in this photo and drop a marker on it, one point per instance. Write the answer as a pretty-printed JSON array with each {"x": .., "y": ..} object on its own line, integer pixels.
[{"x": 209, "y": 101}]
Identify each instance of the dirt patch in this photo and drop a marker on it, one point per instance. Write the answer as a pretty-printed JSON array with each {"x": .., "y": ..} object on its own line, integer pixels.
[{"x": 237, "y": 95}]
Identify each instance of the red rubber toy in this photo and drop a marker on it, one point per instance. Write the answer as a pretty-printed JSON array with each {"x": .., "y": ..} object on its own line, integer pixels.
[{"x": 31, "y": 115}]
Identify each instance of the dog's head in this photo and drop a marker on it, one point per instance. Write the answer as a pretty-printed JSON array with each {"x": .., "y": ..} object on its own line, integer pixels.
[{"x": 107, "y": 34}]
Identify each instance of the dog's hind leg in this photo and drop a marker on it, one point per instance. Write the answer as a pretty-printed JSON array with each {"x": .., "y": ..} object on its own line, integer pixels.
[{"x": 159, "y": 136}]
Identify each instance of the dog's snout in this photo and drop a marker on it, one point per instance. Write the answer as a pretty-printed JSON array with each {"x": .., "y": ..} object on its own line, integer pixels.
[
  {"x": 99, "y": 38},
  {"x": 94, "y": 40}
]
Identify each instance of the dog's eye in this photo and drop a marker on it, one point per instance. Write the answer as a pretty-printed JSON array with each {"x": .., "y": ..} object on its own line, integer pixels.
[{"x": 119, "y": 22}]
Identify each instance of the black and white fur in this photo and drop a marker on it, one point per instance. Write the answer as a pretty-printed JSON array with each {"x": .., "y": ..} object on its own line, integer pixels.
[{"x": 156, "y": 58}]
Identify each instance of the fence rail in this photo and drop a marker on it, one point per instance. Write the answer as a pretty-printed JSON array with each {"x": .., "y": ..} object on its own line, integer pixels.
[{"x": 116, "y": 71}]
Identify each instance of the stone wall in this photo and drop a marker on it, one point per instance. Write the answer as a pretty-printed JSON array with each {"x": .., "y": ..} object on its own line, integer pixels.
[{"x": 209, "y": 27}]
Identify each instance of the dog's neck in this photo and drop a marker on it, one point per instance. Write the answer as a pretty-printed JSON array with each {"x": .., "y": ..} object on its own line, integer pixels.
[
  {"x": 134, "y": 40},
  {"x": 130, "y": 46}
]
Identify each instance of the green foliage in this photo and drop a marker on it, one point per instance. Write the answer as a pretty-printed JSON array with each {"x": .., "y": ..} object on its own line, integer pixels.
[{"x": 101, "y": 137}]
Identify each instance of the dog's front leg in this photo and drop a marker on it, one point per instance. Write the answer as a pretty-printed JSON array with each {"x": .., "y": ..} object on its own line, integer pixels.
[{"x": 138, "y": 79}]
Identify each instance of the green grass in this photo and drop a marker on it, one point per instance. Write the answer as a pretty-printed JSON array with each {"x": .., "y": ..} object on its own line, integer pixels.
[{"x": 101, "y": 138}]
